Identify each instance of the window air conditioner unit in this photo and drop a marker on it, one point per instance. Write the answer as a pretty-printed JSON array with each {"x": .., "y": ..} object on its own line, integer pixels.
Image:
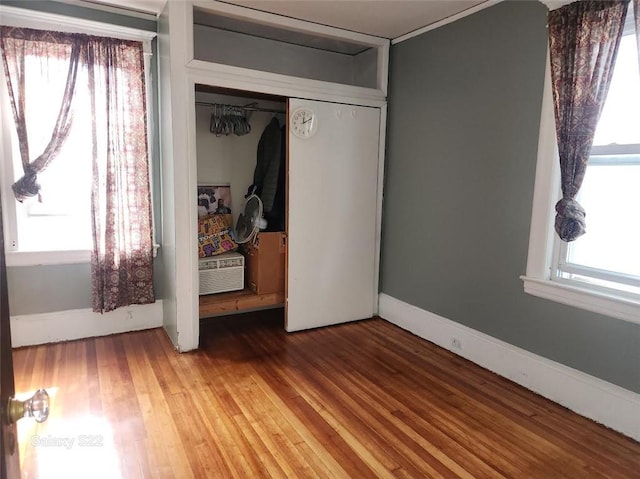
[{"x": 221, "y": 273}]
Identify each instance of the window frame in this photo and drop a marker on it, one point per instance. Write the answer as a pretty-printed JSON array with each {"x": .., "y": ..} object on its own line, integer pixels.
[
  {"x": 542, "y": 258},
  {"x": 600, "y": 156},
  {"x": 19, "y": 17}
]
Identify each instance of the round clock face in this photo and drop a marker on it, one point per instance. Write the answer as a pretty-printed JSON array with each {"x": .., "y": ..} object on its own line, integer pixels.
[{"x": 303, "y": 123}]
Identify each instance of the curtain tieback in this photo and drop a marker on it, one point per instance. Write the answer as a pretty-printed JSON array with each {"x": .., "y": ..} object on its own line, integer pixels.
[
  {"x": 570, "y": 219},
  {"x": 28, "y": 185}
]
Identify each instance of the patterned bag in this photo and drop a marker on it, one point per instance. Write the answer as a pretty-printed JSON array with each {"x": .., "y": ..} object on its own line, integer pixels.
[{"x": 215, "y": 235}]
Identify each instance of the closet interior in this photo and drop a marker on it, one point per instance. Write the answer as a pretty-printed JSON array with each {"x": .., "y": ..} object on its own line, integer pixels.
[{"x": 241, "y": 154}]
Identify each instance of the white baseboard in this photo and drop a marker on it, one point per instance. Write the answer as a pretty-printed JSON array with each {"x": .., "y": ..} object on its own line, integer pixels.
[
  {"x": 606, "y": 403},
  {"x": 31, "y": 329}
]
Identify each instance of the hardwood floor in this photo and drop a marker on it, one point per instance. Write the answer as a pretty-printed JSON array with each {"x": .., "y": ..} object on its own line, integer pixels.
[{"x": 361, "y": 400}]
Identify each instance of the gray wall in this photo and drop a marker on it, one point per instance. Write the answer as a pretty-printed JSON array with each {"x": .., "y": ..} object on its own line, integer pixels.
[
  {"x": 366, "y": 68},
  {"x": 41, "y": 289},
  {"x": 246, "y": 51},
  {"x": 461, "y": 153}
]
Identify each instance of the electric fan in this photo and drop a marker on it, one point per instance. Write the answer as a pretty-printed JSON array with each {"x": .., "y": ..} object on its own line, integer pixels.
[{"x": 250, "y": 220}]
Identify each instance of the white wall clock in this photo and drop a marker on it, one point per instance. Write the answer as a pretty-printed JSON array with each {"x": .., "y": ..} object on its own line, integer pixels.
[{"x": 303, "y": 123}]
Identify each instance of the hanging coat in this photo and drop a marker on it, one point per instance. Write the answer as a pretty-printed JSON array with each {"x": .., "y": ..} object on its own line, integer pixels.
[
  {"x": 276, "y": 217},
  {"x": 269, "y": 157}
]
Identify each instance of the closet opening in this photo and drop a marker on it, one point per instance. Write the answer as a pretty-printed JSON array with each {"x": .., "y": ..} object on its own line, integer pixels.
[{"x": 241, "y": 149}]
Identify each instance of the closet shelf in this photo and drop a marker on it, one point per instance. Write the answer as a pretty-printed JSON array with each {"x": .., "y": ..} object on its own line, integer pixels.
[{"x": 237, "y": 302}]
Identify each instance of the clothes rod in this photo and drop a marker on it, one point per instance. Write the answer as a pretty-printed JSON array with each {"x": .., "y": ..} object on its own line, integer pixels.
[{"x": 246, "y": 108}]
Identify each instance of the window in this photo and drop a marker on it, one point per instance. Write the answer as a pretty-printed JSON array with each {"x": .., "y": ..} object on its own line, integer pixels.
[
  {"x": 600, "y": 271},
  {"x": 58, "y": 229},
  {"x": 607, "y": 256},
  {"x": 62, "y": 221}
]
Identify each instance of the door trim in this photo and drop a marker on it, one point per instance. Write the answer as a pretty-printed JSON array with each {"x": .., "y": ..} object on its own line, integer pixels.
[
  {"x": 238, "y": 78},
  {"x": 185, "y": 178},
  {"x": 379, "y": 205}
]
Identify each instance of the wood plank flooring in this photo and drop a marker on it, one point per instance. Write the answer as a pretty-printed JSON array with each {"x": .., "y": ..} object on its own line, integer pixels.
[{"x": 361, "y": 400}]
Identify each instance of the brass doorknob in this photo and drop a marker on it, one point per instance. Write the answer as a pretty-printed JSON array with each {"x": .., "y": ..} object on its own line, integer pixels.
[{"x": 37, "y": 407}]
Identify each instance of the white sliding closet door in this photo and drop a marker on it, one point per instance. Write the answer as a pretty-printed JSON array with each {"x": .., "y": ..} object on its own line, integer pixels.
[{"x": 333, "y": 183}]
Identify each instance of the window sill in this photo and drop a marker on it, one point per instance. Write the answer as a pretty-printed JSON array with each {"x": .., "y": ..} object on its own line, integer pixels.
[
  {"x": 42, "y": 258},
  {"x": 598, "y": 302}
]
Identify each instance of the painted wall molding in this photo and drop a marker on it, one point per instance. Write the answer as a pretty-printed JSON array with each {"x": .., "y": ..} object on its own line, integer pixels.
[
  {"x": 23, "y": 17},
  {"x": 605, "y": 403},
  {"x": 31, "y": 329}
]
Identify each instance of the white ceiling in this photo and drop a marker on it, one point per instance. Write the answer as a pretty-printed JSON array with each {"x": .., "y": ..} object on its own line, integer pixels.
[{"x": 383, "y": 18}]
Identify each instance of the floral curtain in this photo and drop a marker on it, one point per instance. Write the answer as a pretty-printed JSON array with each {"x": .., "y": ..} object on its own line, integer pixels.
[
  {"x": 112, "y": 72},
  {"x": 121, "y": 203},
  {"x": 47, "y": 48},
  {"x": 583, "y": 39},
  {"x": 636, "y": 13}
]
